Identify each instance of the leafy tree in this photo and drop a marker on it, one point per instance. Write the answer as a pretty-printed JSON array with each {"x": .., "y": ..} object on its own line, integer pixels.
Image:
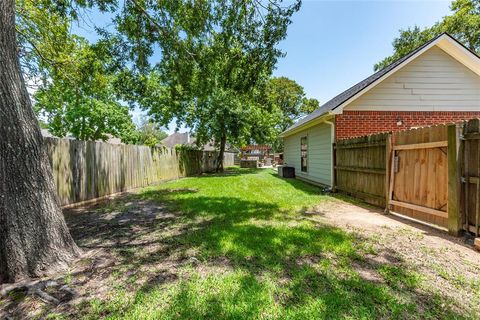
[
  {"x": 74, "y": 80},
  {"x": 216, "y": 59},
  {"x": 149, "y": 133},
  {"x": 80, "y": 100},
  {"x": 309, "y": 105},
  {"x": 34, "y": 238},
  {"x": 286, "y": 99},
  {"x": 463, "y": 24}
]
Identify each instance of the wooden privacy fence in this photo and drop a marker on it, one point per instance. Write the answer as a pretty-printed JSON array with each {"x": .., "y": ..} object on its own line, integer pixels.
[
  {"x": 86, "y": 170},
  {"x": 417, "y": 173},
  {"x": 360, "y": 167},
  {"x": 471, "y": 177}
]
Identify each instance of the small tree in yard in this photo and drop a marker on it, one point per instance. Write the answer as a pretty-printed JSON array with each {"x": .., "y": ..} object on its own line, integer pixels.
[{"x": 216, "y": 59}]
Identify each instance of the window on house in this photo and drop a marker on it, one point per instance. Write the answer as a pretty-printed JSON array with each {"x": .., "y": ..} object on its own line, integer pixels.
[{"x": 303, "y": 153}]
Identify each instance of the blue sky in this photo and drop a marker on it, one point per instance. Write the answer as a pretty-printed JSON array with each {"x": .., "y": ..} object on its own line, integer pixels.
[{"x": 332, "y": 45}]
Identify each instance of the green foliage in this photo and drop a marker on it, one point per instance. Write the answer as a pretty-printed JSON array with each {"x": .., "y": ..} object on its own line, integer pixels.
[
  {"x": 463, "y": 24},
  {"x": 286, "y": 100},
  {"x": 75, "y": 90},
  {"x": 216, "y": 59},
  {"x": 149, "y": 133}
]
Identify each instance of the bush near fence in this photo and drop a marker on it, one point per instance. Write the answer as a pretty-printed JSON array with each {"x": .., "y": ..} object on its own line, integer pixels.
[{"x": 86, "y": 170}]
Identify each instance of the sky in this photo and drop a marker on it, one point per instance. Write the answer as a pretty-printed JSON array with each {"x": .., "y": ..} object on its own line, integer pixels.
[{"x": 331, "y": 45}]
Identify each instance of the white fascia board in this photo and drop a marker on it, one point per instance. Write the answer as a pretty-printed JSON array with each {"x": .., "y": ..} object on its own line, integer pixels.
[
  {"x": 323, "y": 118},
  {"x": 460, "y": 53}
]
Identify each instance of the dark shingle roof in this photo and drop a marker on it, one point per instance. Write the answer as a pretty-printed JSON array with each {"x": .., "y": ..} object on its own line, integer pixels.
[
  {"x": 350, "y": 92},
  {"x": 177, "y": 138}
]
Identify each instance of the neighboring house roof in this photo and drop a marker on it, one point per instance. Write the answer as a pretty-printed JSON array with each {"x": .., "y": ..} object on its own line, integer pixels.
[
  {"x": 112, "y": 140},
  {"x": 185, "y": 138},
  {"x": 47, "y": 133},
  {"x": 178, "y": 138},
  {"x": 364, "y": 85}
]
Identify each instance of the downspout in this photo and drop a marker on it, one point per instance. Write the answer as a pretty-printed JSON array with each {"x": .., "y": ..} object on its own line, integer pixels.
[{"x": 332, "y": 171}]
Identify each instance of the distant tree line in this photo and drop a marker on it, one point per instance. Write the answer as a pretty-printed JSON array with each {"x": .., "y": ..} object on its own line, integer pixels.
[{"x": 463, "y": 24}]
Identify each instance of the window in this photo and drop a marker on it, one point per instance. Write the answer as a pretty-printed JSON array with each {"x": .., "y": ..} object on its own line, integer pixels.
[{"x": 303, "y": 153}]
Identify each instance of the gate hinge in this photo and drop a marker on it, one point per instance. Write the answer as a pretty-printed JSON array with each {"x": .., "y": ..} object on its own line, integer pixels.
[{"x": 463, "y": 179}]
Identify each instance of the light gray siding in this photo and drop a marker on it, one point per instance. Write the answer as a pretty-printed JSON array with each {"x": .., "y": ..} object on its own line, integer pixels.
[
  {"x": 432, "y": 82},
  {"x": 319, "y": 165}
]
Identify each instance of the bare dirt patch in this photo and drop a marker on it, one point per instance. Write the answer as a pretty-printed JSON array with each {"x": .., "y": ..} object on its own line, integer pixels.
[{"x": 448, "y": 265}]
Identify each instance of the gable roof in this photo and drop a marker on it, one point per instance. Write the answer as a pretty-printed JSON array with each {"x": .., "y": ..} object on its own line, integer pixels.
[
  {"x": 177, "y": 138},
  {"x": 367, "y": 83}
]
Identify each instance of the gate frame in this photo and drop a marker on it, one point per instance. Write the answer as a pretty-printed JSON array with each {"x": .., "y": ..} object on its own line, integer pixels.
[{"x": 453, "y": 143}]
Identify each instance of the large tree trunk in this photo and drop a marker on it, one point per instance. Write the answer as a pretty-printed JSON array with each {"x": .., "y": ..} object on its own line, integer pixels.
[
  {"x": 34, "y": 238},
  {"x": 221, "y": 154}
]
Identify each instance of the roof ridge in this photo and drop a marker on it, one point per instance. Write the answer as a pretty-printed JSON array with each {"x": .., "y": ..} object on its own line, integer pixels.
[{"x": 345, "y": 95}]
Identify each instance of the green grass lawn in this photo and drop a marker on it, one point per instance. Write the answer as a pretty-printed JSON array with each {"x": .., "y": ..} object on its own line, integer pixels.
[{"x": 238, "y": 246}]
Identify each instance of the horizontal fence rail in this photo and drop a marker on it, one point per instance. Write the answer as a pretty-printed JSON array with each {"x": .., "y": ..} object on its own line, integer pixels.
[
  {"x": 430, "y": 174},
  {"x": 360, "y": 167}
]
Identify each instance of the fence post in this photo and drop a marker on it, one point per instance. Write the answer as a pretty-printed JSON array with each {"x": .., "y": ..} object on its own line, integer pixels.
[
  {"x": 453, "y": 209},
  {"x": 388, "y": 156},
  {"x": 334, "y": 167}
]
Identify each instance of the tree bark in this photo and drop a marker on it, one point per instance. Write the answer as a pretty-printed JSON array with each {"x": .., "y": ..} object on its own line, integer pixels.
[
  {"x": 34, "y": 238},
  {"x": 221, "y": 154}
]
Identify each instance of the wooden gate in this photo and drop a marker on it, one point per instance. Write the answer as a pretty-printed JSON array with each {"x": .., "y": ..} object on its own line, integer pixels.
[{"x": 419, "y": 174}]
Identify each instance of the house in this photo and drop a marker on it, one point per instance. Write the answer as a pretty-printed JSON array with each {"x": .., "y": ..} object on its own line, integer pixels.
[
  {"x": 184, "y": 138},
  {"x": 439, "y": 82},
  {"x": 178, "y": 138}
]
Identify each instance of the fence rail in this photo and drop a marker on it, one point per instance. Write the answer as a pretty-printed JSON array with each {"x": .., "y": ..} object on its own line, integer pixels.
[
  {"x": 86, "y": 170},
  {"x": 430, "y": 174},
  {"x": 360, "y": 167}
]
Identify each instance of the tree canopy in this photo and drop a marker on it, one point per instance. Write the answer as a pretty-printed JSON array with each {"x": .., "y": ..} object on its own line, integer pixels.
[
  {"x": 73, "y": 80},
  {"x": 217, "y": 57},
  {"x": 149, "y": 133},
  {"x": 463, "y": 24},
  {"x": 287, "y": 101},
  {"x": 287, "y": 98}
]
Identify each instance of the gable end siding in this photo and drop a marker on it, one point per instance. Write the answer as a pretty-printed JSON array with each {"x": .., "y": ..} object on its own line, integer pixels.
[
  {"x": 432, "y": 82},
  {"x": 432, "y": 89}
]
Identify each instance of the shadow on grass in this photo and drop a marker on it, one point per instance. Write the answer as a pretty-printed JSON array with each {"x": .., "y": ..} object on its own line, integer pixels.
[
  {"x": 233, "y": 171},
  {"x": 273, "y": 265},
  {"x": 201, "y": 257}
]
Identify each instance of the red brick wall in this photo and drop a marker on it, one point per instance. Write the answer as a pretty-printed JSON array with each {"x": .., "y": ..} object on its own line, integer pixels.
[{"x": 359, "y": 123}]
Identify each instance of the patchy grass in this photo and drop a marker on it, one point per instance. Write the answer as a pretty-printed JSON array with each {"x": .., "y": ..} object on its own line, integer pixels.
[{"x": 240, "y": 245}]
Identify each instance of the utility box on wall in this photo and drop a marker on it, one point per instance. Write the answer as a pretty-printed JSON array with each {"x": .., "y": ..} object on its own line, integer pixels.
[{"x": 286, "y": 172}]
